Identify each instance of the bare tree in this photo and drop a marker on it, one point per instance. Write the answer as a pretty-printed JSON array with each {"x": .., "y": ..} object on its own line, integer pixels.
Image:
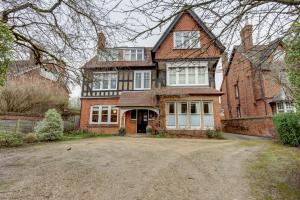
[{"x": 59, "y": 32}]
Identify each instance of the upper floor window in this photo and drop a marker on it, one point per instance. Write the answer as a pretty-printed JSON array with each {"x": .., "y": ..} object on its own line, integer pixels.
[
  {"x": 133, "y": 54},
  {"x": 186, "y": 39},
  {"x": 189, "y": 74},
  {"x": 142, "y": 80},
  {"x": 105, "y": 81},
  {"x": 108, "y": 55}
]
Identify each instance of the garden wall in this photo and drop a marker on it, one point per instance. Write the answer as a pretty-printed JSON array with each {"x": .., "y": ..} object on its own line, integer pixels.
[{"x": 256, "y": 126}]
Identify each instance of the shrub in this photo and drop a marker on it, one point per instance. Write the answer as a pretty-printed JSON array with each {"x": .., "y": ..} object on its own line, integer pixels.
[
  {"x": 287, "y": 126},
  {"x": 214, "y": 134},
  {"x": 51, "y": 128},
  {"x": 122, "y": 131},
  {"x": 30, "y": 138},
  {"x": 149, "y": 130},
  {"x": 10, "y": 139}
]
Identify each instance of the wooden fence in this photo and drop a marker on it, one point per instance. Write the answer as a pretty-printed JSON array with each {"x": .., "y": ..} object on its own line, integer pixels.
[{"x": 26, "y": 124}]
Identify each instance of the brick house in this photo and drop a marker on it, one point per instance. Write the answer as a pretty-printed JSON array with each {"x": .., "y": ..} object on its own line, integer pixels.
[
  {"x": 252, "y": 84},
  {"x": 21, "y": 71},
  {"x": 170, "y": 86}
]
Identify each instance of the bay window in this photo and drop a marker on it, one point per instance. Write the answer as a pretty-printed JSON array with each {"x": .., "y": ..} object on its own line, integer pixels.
[
  {"x": 189, "y": 115},
  {"x": 105, "y": 81},
  {"x": 186, "y": 39},
  {"x": 142, "y": 80},
  {"x": 104, "y": 115},
  {"x": 186, "y": 74}
]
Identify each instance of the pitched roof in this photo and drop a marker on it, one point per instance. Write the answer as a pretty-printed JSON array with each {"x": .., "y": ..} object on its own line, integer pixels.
[
  {"x": 137, "y": 99},
  {"x": 96, "y": 63},
  {"x": 200, "y": 23},
  {"x": 18, "y": 67}
]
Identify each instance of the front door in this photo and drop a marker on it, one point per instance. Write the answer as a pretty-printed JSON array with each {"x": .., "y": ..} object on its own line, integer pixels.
[{"x": 142, "y": 121}]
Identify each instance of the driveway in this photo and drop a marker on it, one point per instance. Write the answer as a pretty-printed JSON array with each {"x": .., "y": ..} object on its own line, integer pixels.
[{"x": 127, "y": 168}]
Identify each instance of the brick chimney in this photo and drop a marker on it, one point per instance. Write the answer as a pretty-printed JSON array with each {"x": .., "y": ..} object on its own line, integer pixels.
[
  {"x": 246, "y": 37},
  {"x": 101, "y": 41}
]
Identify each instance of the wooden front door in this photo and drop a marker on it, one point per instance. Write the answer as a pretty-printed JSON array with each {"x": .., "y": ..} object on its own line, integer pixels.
[{"x": 142, "y": 121}]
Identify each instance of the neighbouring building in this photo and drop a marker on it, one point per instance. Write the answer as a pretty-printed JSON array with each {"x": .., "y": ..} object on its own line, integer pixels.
[
  {"x": 20, "y": 71},
  {"x": 253, "y": 86},
  {"x": 170, "y": 86}
]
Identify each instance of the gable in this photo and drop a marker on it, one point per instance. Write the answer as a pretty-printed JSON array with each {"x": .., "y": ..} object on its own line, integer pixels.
[{"x": 188, "y": 21}]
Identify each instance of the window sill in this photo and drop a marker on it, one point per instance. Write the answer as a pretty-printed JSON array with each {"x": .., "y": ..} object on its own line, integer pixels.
[{"x": 103, "y": 125}]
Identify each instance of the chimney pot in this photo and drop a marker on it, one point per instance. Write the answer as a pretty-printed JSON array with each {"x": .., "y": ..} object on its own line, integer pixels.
[{"x": 246, "y": 37}]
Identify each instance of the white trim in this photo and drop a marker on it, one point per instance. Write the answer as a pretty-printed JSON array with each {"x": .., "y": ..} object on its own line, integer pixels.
[
  {"x": 142, "y": 79},
  {"x": 136, "y": 54},
  {"x": 189, "y": 43},
  {"x": 109, "y": 79},
  {"x": 186, "y": 65},
  {"x": 110, "y": 107},
  {"x": 285, "y": 110}
]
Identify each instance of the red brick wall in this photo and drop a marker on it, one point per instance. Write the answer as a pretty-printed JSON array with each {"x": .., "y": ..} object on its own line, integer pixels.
[
  {"x": 257, "y": 126},
  {"x": 187, "y": 23},
  {"x": 85, "y": 116}
]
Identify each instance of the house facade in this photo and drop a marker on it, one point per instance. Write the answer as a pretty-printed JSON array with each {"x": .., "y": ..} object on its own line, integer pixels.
[
  {"x": 253, "y": 86},
  {"x": 170, "y": 87}
]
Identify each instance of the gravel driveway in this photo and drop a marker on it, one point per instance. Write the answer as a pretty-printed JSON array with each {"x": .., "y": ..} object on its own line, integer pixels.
[{"x": 127, "y": 168}]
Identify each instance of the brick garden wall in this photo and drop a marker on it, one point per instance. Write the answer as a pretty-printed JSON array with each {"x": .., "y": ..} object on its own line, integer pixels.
[{"x": 256, "y": 126}]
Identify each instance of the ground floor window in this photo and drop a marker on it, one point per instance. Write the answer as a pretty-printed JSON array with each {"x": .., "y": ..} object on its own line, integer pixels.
[
  {"x": 105, "y": 114},
  {"x": 189, "y": 115},
  {"x": 285, "y": 107}
]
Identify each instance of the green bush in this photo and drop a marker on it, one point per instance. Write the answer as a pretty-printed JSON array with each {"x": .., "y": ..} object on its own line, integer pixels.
[
  {"x": 30, "y": 138},
  {"x": 287, "y": 126},
  {"x": 122, "y": 131},
  {"x": 10, "y": 139},
  {"x": 51, "y": 128},
  {"x": 214, "y": 134}
]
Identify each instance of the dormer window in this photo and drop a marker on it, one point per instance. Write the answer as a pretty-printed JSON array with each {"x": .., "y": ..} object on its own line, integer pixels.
[
  {"x": 186, "y": 40},
  {"x": 133, "y": 54}
]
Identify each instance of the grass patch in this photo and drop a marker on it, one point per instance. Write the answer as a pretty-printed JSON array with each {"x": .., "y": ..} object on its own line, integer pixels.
[
  {"x": 76, "y": 135},
  {"x": 250, "y": 143},
  {"x": 275, "y": 174}
]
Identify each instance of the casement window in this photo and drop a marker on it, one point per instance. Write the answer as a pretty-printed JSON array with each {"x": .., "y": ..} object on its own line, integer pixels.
[
  {"x": 285, "y": 107},
  {"x": 152, "y": 115},
  {"x": 108, "y": 55},
  {"x": 189, "y": 115},
  {"x": 185, "y": 76},
  {"x": 105, "y": 114},
  {"x": 133, "y": 54},
  {"x": 133, "y": 115},
  {"x": 142, "y": 80},
  {"x": 105, "y": 81},
  {"x": 186, "y": 39},
  {"x": 171, "y": 115}
]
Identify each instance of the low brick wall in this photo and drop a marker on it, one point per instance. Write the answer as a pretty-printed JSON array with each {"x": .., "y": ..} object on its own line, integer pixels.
[{"x": 256, "y": 126}]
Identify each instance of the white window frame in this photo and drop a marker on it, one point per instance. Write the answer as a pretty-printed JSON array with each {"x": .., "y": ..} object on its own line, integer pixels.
[
  {"x": 142, "y": 79},
  {"x": 186, "y": 65},
  {"x": 110, "y": 107},
  {"x": 202, "y": 125},
  {"x": 108, "y": 73},
  {"x": 187, "y": 45},
  {"x": 285, "y": 108},
  {"x": 130, "y": 54}
]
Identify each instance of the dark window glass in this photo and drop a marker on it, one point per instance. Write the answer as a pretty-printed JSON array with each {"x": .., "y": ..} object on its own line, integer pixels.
[
  {"x": 183, "y": 108},
  {"x": 114, "y": 115},
  {"x": 151, "y": 114},
  {"x": 133, "y": 114},
  {"x": 193, "y": 108},
  {"x": 207, "y": 108},
  {"x": 171, "y": 108},
  {"x": 95, "y": 116},
  {"x": 104, "y": 116}
]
